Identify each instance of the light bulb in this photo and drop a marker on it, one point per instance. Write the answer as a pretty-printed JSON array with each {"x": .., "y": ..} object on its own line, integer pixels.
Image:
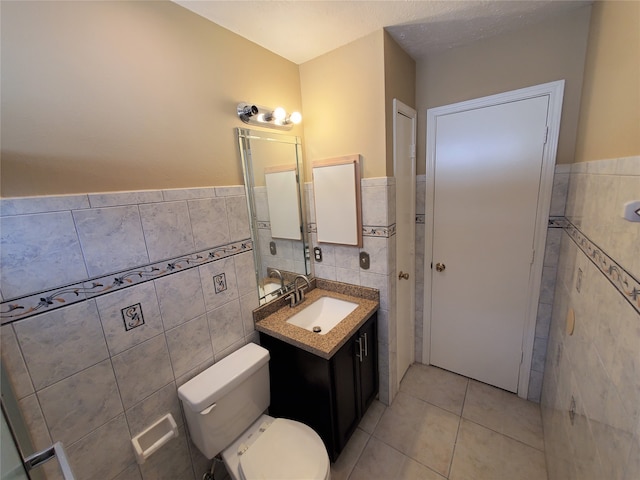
[
  {"x": 279, "y": 114},
  {"x": 295, "y": 118}
]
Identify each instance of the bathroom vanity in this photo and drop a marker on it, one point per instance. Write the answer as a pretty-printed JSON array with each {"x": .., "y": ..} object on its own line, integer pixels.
[{"x": 325, "y": 381}]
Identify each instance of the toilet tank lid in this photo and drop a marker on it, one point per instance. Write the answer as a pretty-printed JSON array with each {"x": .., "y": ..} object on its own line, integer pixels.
[{"x": 208, "y": 387}]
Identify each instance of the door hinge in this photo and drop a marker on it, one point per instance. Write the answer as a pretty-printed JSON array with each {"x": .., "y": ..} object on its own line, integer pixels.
[
  {"x": 521, "y": 357},
  {"x": 413, "y": 151},
  {"x": 533, "y": 256},
  {"x": 546, "y": 135}
]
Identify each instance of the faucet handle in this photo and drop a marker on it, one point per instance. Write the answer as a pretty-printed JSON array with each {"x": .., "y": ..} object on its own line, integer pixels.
[{"x": 293, "y": 301}]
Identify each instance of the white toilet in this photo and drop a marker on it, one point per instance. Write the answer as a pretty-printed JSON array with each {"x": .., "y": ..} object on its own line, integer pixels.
[{"x": 224, "y": 407}]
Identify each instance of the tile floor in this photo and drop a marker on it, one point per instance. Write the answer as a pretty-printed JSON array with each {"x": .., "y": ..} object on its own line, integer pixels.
[{"x": 444, "y": 426}]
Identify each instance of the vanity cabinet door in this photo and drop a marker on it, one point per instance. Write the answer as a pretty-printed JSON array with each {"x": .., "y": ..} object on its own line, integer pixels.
[
  {"x": 368, "y": 364},
  {"x": 346, "y": 398}
]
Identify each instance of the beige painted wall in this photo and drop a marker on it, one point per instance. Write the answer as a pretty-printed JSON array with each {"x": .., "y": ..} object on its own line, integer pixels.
[
  {"x": 545, "y": 52},
  {"x": 107, "y": 96},
  {"x": 610, "y": 110},
  {"x": 343, "y": 100},
  {"x": 400, "y": 83}
]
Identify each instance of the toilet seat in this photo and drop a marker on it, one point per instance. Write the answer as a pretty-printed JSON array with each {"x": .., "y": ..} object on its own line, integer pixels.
[{"x": 283, "y": 450}]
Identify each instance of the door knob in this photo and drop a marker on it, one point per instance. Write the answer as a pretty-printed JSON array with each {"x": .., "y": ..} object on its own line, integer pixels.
[
  {"x": 440, "y": 267},
  {"x": 403, "y": 275}
]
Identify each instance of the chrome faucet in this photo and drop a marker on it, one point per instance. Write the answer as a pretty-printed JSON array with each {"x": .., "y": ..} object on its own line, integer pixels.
[
  {"x": 297, "y": 296},
  {"x": 273, "y": 273}
]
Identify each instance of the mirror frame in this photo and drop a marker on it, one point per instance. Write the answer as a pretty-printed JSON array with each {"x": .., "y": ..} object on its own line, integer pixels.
[{"x": 245, "y": 137}]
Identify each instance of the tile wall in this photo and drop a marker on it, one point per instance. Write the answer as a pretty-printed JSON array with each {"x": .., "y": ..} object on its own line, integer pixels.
[
  {"x": 341, "y": 263},
  {"x": 591, "y": 389},
  {"x": 112, "y": 301},
  {"x": 560, "y": 185}
]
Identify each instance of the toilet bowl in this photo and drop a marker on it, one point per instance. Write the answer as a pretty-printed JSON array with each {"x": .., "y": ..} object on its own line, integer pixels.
[
  {"x": 276, "y": 448},
  {"x": 224, "y": 407}
]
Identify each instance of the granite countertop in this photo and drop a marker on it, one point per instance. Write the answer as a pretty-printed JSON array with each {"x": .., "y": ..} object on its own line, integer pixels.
[{"x": 272, "y": 319}]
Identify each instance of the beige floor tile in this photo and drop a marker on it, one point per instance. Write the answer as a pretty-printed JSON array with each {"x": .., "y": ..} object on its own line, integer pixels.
[
  {"x": 419, "y": 430},
  {"x": 412, "y": 470},
  {"x": 378, "y": 461},
  {"x": 436, "y": 386},
  {"x": 372, "y": 416},
  {"x": 482, "y": 454},
  {"x": 347, "y": 460},
  {"x": 504, "y": 413}
]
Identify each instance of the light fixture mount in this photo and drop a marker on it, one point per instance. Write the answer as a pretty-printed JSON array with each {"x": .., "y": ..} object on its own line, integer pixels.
[{"x": 267, "y": 117}]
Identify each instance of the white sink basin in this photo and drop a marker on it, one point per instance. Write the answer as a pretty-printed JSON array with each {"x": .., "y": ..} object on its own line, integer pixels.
[{"x": 326, "y": 313}]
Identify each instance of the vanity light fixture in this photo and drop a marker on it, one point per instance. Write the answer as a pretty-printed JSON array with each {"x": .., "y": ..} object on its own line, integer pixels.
[{"x": 266, "y": 117}]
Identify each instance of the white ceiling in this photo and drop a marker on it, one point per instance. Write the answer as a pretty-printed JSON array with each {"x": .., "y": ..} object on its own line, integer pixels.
[{"x": 301, "y": 30}]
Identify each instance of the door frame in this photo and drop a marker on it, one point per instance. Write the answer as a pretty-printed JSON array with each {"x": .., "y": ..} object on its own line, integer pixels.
[
  {"x": 555, "y": 91},
  {"x": 411, "y": 114}
]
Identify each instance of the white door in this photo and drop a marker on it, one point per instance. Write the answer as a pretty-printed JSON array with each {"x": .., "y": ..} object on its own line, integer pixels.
[
  {"x": 488, "y": 165},
  {"x": 404, "y": 160}
]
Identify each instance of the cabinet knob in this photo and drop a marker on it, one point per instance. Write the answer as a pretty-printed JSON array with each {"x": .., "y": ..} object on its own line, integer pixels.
[
  {"x": 440, "y": 267},
  {"x": 403, "y": 275}
]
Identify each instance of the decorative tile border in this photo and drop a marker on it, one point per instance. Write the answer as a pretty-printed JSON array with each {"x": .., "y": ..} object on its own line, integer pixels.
[
  {"x": 557, "y": 222},
  {"x": 30, "y": 305},
  {"x": 374, "y": 231},
  {"x": 367, "y": 230},
  {"x": 263, "y": 225},
  {"x": 623, "y": 281}
]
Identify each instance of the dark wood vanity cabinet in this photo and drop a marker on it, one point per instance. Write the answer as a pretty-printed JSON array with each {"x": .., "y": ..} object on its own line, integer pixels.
[{"x": 330, "y": 396}]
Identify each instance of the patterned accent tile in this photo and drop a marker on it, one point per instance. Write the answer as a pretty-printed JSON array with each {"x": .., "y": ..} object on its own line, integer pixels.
[
  {"x": 420, "y": 218},
  {"x": 30, "y": 305},
  {"x": 117, "y": 318},
  {"x": 219, "y": 283},
  {"x": 623, "y": 281},
  {"x": 557, "y": 222},
  {"x": 214, "y": 296},
  {"x": 374, "y": 231},
  {"x": 17, "y": 309},
  {"x": 132, "y": 316}
]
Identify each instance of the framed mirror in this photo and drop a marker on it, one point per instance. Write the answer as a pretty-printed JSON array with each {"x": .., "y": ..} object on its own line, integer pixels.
[
  {"x": 272, "y": 166},
  {"x": 336, "y": 187}
]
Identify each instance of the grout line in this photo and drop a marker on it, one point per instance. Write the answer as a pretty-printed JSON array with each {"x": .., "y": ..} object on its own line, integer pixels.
[
  {"x": 455, "y": 442},
  {"x": 507, "y": 436},
  {"x": 355, "y": 464}
]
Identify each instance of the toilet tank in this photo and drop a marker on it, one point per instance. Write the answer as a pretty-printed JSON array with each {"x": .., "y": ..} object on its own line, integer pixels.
[{"x": 225, "y": 399}]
